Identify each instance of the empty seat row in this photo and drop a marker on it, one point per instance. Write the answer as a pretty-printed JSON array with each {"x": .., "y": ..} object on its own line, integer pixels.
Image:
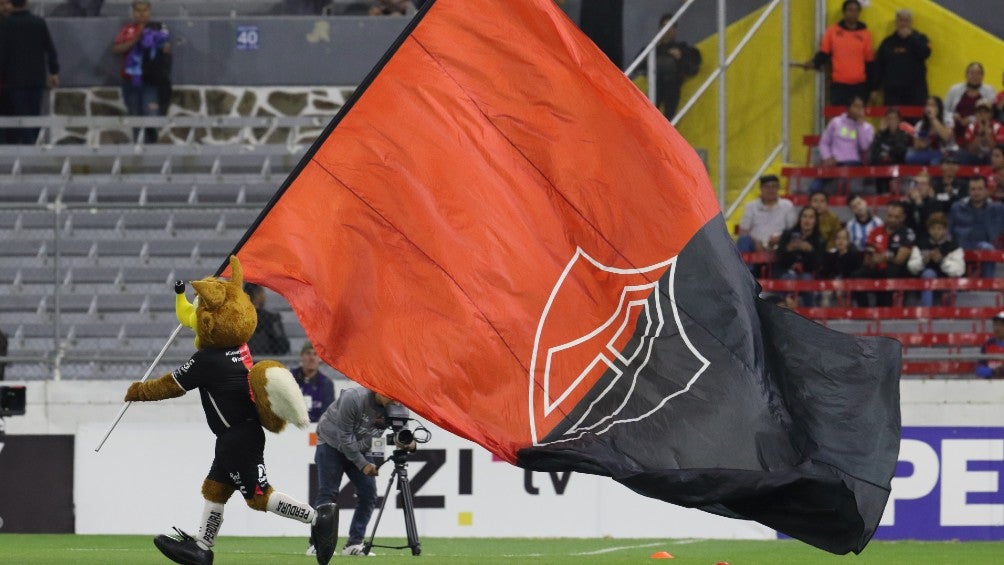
[{"x": 31, "y": 191}]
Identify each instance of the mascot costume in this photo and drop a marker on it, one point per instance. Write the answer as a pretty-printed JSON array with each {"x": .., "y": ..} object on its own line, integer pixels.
[{"x": 239, "y": 399}]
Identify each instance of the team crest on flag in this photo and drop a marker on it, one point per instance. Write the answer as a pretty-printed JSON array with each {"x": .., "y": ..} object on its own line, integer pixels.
[{"x": 590, "y": 367}]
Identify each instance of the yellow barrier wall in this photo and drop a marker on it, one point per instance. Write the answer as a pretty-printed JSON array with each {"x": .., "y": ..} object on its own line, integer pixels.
[{"x": 753, "y": 105}]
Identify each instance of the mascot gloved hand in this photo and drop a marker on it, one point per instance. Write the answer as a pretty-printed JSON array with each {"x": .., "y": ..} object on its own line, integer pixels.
[{"x": 239, "y": 399}]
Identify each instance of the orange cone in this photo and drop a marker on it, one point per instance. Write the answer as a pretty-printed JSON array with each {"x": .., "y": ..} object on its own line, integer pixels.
[{"x": 661, "y": 555}]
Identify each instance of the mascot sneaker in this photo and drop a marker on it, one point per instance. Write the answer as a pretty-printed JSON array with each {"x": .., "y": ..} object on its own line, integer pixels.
[
  {"x": 183, "y": 549},
  {"x": 324, "y": 532}
]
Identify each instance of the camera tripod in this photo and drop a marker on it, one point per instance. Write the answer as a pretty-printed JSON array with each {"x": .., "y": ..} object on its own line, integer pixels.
[{"x": 400, "y": 458}]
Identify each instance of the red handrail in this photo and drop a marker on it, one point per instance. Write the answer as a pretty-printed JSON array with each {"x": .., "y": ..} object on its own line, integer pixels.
[
  {"x": 889, "y": 285},
  {"x": 884, "y": 171},
  {"x": 900, "y": 312}
]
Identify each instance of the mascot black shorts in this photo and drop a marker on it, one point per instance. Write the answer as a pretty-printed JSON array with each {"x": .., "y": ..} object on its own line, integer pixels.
[{"x": 240, "y": 459}]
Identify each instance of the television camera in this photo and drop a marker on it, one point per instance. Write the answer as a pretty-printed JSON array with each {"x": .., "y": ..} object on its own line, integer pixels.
[
  {"x": 12, "y": 403},
  {"x": 396, "y": 417}
]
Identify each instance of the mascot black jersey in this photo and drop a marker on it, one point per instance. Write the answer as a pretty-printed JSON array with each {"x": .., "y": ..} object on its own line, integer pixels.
[{"x": 221, "y": 375}]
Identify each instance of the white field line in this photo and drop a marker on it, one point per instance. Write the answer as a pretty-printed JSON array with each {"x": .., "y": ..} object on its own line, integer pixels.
[{"x": 621, "y": 548}]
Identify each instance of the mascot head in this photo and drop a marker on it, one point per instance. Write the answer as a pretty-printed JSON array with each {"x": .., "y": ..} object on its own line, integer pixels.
[{"x": 224, "y": 316}]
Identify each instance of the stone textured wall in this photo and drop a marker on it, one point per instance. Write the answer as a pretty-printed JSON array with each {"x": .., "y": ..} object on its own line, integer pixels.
[{"x": 210, "y": 101}]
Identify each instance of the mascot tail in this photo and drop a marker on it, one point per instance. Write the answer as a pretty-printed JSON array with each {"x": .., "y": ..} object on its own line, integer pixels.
[{"x": 277, "y": 396}]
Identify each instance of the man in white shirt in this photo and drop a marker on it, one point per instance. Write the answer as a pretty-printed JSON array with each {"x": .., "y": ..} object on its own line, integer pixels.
[{"x": 764, "y": 219}]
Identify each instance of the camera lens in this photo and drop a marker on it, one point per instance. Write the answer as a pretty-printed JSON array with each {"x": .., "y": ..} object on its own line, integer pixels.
[{"x": 404, "y": 437}]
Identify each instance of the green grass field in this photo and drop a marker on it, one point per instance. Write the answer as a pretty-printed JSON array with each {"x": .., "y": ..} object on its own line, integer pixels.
[{"x": 137, "y": 550}]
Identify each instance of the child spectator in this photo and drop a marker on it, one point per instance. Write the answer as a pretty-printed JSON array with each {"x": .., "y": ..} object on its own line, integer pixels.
[
  {"x": 841, "y": 261},
  {"x": 931, "y": 136},
  {"x": 863, "y": 222},
  {"x": 889, "y": 146},
  {"x": 993, "y": 368},
  {"x": 936, "y": 255},
  {"x": 982, "y": 135},
  {"x": 800, "y": 250}
]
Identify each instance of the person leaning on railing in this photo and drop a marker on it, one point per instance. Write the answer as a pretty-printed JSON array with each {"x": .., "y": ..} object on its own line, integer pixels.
[
  {"x": 799, "y": 252},
  {"x": 841, "y": 261},
  {"x": 886, "y": 253},
  {"x": 932, "y": 138},
  {"x": 977, "y": 223}
]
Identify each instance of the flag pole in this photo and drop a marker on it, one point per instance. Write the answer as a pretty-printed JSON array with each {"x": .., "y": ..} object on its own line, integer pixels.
[{"x": 149, "y": 370}]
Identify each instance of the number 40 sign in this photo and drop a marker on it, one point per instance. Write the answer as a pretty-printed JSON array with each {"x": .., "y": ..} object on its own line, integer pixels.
[{"x": 247, "y": 38}]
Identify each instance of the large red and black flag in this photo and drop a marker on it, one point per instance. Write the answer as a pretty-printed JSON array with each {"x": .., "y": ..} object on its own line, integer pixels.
[{"x": 500, "y": 231}]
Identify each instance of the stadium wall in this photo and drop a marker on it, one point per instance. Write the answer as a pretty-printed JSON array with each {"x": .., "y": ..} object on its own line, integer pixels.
[{"x": 948, "y": 485}]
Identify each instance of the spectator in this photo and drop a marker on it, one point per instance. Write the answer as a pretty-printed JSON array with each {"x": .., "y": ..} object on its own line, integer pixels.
[
  {"x": 862, "y": 223},
  {"x": 995, "y": 182},
  {"x": 931, "y": 136},
  {"x": 146, "y": 66},
  {"x": 847, "y": 137},
  {"x": 845, "y": 140},
  {"x": 891, "y": 142},
  {"x": 889, "y": 146},
  {"x": 977, "y": 223},
  {"x": 887, "y": 252},
  {"x": 781, "y": 300},
  {"x": 5, "y": 9},
  {"x": 936, "y": 255},
  {"x": 829, "y": 223},
  {"x": 920, "y": 203},
  {"x": 900, "y": 64},
  {"x": 269, "y": 336},
  {"x": 765, "y": 219},
  {"x": 391, "y": 8},
  {"x": 960, "y": 102},
  {"x": 800, "y": 251},
  {"x": 982, "y": 135},
  {"x": 675, "y": 62},
  {"x": 28, "y": 64},
  {"x": 993, "y": 368},
  {"x": 318, "y": 390},
  {"x": 841, "y": 261},
  {"x": 847, "y": 45},
  {"x": 950, "y": 187}
]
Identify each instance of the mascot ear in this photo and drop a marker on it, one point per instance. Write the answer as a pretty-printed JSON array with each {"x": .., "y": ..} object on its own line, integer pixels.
[
  {"x": 236, "y": 272},
  {"x": 212, "y": 293}
]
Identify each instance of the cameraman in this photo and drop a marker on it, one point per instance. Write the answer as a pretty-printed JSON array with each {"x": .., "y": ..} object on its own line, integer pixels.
[{"x": 345, "y": 436}]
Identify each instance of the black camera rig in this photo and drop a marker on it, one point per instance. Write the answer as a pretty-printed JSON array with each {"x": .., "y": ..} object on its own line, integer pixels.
[
  {"x": 396, "y": 417},
  {"x": 12, "y": 402}
]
